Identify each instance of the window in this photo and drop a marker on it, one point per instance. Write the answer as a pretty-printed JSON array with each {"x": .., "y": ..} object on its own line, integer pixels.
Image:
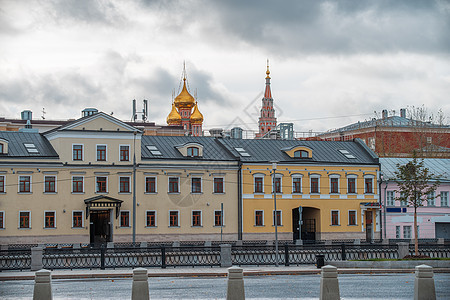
[
  {"x": 301, "y": 154},
  {"x": 296, "y": 185},
  {"x": 196, "y": 185},
  {"x": 150, "y": 218},
  {"x": 406, "y": 232},
  {"x": 196, "y": 218},
  {"x": 124, "y": 185},
  {"x": 1, "y": 148},
  {"x": 390, "y": 199},
  {"x": 218, "y": 185},
  {"x": 50, "y": 184},
  {"x": 101, "y": 184},
  {"x": 352, "y": 217},
  {"x": 397, "y": 232},
  {"x": 314, "y": 185},
  {"x": 77, "y": 219},
  {"x": 218, "y": 218},
  {"x": 173, "y": 184},
  {"x": 444, "y": 198},
  {"x": 277, "y": 184},
  {"x": 124, "y": 153},
  {"x": 124, "y": 219},
  {"x": 2, "y": 184},
  {"x": 150, "y": 184},
  {"x": 77, "y": 151},
  {"x": 277, "y": 218},
  {"x": 101, "y": 152},
  {"x": 259, "y": 218},
  {"x": 192, "y": 151},
  {"x": 259, "y": 185},
  {"x": 77, "y": 184},
  {"x": 430, "y": 199},
  {"x": 24, "y": 219},
  {"x": 24, "y": 184},
  {"x": 334, "y": 185},
  {"x": 351, "y": 185},
  {"x": 334, "y": 217},
  {"x": 173, "y": 218},
  {"x": 2, "y": 220},
  {"x": 368, "y": 183},
  {"x": 49, "y": 221}
]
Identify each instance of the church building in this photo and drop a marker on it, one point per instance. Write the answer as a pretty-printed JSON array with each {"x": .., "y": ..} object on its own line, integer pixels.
[{"x": 267, "y": 120}]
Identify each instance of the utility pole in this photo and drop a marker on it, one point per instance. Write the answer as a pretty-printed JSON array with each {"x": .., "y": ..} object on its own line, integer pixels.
[
  {"x": 274, "y": 168},
  {"x": 134, "y": 187}
]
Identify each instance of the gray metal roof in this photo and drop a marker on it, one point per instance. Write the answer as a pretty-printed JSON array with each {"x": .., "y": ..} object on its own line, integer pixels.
[
  {"x": 212, "y": 150},
  {"x": 261, "y": 150},
  {"x": 437, "y": 166},
  {"x": 17, "y": 140}
]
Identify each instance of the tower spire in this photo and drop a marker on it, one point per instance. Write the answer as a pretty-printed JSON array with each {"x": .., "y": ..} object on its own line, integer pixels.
[
  {"x": 267, "y": 92},
  {"x": 267, "y": 120}
]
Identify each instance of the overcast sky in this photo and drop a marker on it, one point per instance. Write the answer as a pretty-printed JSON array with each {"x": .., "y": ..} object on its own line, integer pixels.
[{"x": 332, "y": 62}]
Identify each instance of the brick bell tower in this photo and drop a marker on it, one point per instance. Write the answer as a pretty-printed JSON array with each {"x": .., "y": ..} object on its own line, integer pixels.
[{"x": 267, "y": 120}]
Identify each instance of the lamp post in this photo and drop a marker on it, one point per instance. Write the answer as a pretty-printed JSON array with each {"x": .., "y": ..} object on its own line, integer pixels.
[
  {"x": 134, "y": 188},
  {"x": 274, "y": 168}
]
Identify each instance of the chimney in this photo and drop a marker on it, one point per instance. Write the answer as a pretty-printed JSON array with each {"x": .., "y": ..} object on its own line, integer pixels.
[
  {"x": 403, "y": 112},
  {"x": 384, "y": 114}
]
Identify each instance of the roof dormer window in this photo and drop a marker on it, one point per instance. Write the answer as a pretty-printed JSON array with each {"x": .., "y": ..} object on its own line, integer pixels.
[
  {"x": 298, "y": 152},
  {"x": 192, "y": 151},
  {"x": 301, "y": 154}
]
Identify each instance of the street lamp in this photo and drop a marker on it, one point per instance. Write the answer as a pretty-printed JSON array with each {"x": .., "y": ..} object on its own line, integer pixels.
[
  {"x": 274, "y": 188},
  {"x": 134, "y": 188}
]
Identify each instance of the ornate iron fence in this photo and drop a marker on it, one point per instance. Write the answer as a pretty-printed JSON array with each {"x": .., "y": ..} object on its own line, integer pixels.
[
  {"x": 70, "y": 258},
  {"x": 433, "y": 251},
  {"x": 15, "y": 259}
]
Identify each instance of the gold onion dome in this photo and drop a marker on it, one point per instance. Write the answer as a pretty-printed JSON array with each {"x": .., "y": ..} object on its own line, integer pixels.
[
  {"x": 184, "y": 99},
  {"x": 174, "y": 117},
  {"x": 196, "y": 116}
]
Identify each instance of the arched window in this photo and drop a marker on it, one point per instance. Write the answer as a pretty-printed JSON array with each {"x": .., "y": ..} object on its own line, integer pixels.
[
  {"x": 192, "y": 151},
  {"x": 301, "y": 154}
]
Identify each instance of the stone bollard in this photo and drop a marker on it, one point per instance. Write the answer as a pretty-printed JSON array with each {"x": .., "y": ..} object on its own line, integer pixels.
[
  {"x": 42, "y": 285},
  {"x": 424, "y": 283},
  {"x": 329, "y": 284},
  {"x": 403, "y": 250},
  {"x": 235, "y": 290},
  {"x": 139, "y": 290},
  {"x": 225, "y": 255},
  {"x": 36, "y": 258}
]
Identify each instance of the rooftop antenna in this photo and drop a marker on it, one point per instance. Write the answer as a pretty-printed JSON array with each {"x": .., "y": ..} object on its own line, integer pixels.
[
  {"x": 145, "y": 111},
  {"x": 43, "y": 113},
  {"x": 134, "y": 117}
]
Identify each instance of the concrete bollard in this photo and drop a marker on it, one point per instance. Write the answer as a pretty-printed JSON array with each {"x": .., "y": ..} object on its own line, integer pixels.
[
  {"x": 36, "y": 258},
  {"x": 225, "y": 256},
  {"x": 403, "y": 250},
  {"x": 42, "y": 285},
  {"x": 424, "y": 283},
  {"x": 329, "y": 284},
  {"x": 140, "y": 285},
  {"x": 235, "y": 290}
]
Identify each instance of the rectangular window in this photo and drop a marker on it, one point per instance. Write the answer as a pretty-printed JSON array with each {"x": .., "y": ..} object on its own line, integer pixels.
[
  {"x": 218, "y": 185},
  {"x": 173, "y": 184},
  {"x": 444, "y": 198},
  {"x": 258, "y": 185},
  {"x": 173, "y": 218},
  {"x": 196, "y": 185},
  {"x": 2, "y": 220},
  {"x": 334, "y": 185},
  {"x": 49, "y": 219},
  {"x": 397, "y": 232},
  {"x": 351, "y": 185},
  {"x": 124, "y": 153},
  {"x": 296, "y": 185},
  {"x": 334, "y": 217},
  {"x": 218, "y": 218},
  {"x": 77, "y": 219},
  {"x": 277, "y": 182},
  {"x": 25, "y": 184},
  {"x": 150, "y": 184},
  {"x": 352, "y": 217},
  {"x": 50, "y": 184},
  {"x": 196, "y": 218},
  {"x": 124, "y": 219},
  {"x": 24, "y": 219},
  {"x": 314, "y": 185},
  {"x": 390, "y": 198},
  {"x": 101, "y": 184},
  {"x": 368, "y": 183},
  {"x": 77, "y": 151},
  {"x": 124, "y": 186},
  {"x": 259, "y": 218},
  {"x": 406, "y": 232},
  {"x": 150, "y": 218},
  {"x": 101, "y": 152},
  {"x": 277, "y": 218},
  {"x": 77, "y": 184},
  {"x": 2, "y": 184},
  {"x": 430, "y": 199}
]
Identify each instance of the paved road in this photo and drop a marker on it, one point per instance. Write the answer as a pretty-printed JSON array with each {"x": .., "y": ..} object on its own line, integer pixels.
[{"x": 380, "y": 286}]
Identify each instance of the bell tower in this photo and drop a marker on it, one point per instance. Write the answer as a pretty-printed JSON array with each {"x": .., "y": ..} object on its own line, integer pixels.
[{"x": 267, "y": 120}]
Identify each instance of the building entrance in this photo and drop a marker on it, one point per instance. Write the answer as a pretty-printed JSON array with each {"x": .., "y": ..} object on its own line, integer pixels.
[
  {"x": 304, "y": 223},
  {"x": 369, "y": 225},
  {"x": 100, "y": 226}
]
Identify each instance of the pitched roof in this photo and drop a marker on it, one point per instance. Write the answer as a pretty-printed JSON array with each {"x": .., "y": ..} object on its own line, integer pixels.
[
  {"x": 17, "y": 140},
  {"x": 437, "y": 166}
]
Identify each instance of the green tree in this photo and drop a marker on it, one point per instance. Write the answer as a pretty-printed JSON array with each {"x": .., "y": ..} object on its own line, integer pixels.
[{"x": 416, "y": 184}]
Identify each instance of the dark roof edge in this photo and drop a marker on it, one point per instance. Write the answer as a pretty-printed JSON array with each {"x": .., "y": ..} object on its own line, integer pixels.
[{"x": 363, "y": 145}]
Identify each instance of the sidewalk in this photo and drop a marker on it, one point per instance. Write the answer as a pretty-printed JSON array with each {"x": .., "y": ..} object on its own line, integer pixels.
[{"x": 199, "y": 272}]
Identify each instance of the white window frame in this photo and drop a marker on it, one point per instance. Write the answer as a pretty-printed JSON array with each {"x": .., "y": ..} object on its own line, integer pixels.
[
  {"x": 356, "y": 217},
  {"x": 331, "y": 217},
  {"x": 31, "y": 184},
  {"x": 254, "y": 183},
  {"x": 433, "y": 201},
  {"x": 273, "y": 217},
  {"x": 338, "y": 181},
  {"x": 168, "y": 185},
  {"x": 178, "y": 219},
  {"x": 4, "y": 219},
  {"x": 318, "y": 183},
  {"x": 297, "y": 176},
  {"x": 82, "y": 219},
  {"x": 106, "y": 152},
  {"x": 223, "y": 185},
  {"x": 390, "y": 201},
  {"x": 410, "y": 232},
  {"x": 352, "y": 176},
  {"x": 129, "y": 152},
  {"x": 277, "y": 175},
  {"x": 223, "y": 218},
  {"x": 49, "y": 211},
  {"x": 56, "y": 184},
  {"x": 192, "y": 217},
  {"x": 156, "y": 218},
  {"x": 29, "y": 218},
  {"x": 82, "y": 151},
  {"x": 201, "y": 185},
  {"x": 156, "y": 185},
  {"x": 129, "y": 185},
  {"x": 71, "y": 184},
  {"x": 107, "y": 184},
  {"x": 446, "y": 198},
  {"x": 129, "y": 219},
  {"x": 254, "y": 218}
]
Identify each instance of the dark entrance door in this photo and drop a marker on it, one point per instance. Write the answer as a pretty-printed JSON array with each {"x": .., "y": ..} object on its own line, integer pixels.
[
  {"x": 306, "y": 226},
  {"x": 100, "y": 226},
  {"x": 369, "y": 224}
]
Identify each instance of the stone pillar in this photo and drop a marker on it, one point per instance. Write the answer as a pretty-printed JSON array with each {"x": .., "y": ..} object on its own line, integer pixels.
[
  {"x": 403, "y": 250},
  {"x": 329, "y": 284},
  {"x": 42, "y": 285},
  {"x": 235, "y": 290},
  {"x": 424, "y": 283},
  {"x": 225, "y": 256},
  {"x": 36, "y": 258},
  {"x": 139, "y": 290}
]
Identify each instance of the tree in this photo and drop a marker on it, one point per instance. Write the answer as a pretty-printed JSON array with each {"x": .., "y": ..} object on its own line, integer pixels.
[{"x": 416, "y": 184}]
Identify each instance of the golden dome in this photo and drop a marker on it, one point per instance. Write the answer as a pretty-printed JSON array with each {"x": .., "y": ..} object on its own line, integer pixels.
[
  {"x": 196, "y": 117},
  {"x": 184, "y": 99},
  {"x": 268, "y": 72},
  {"x": 174, "y": 117}
]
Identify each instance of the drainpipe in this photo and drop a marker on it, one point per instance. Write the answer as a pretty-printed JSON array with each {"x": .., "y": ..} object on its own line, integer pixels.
[{"x": 240, "y": 207}]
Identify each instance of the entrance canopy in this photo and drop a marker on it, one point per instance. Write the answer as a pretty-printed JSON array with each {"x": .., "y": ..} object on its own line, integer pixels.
[
  {"x": 367, "y": 205},
  {"x": 103, "y": 201}
]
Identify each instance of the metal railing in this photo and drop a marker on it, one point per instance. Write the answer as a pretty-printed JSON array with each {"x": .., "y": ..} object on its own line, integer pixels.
[{"x": 15, "y": 259}]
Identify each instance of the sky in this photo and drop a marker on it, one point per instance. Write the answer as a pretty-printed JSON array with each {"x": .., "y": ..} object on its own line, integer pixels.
[{"x": 332, "y": 63}]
